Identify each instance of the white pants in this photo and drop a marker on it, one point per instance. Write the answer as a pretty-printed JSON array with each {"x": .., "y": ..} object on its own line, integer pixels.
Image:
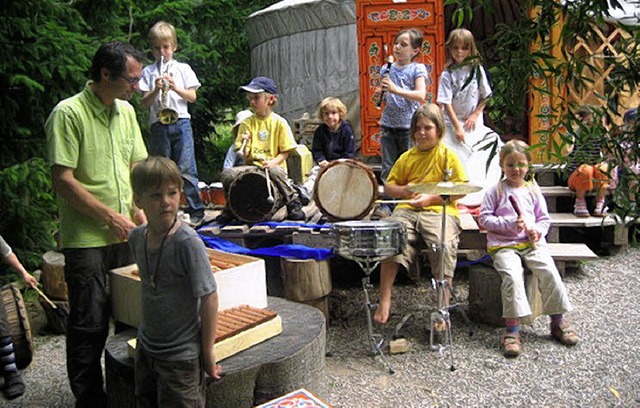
[{"x": 508, "y": 262}]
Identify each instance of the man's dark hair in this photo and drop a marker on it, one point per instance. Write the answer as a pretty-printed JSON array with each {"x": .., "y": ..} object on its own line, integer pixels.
[{"x": 113, "y": 56}]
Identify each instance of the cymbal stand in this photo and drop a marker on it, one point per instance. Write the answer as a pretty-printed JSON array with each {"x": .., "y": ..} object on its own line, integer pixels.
[
  {"x": 441, "y": 315},
  {"x": 376, "y": 340}
]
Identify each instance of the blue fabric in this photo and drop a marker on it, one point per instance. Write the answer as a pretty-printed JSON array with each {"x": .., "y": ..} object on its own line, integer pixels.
[{"x": 283, "y": 251}]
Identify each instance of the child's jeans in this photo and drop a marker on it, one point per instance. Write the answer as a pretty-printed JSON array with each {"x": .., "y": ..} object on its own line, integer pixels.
[
  {"x": 175, "y": 141},
  {"x": 393, "y": 143}
]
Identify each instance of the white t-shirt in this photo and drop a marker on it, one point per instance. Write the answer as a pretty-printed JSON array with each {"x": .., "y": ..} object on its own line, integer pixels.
[{"x": 183, "y": 76}]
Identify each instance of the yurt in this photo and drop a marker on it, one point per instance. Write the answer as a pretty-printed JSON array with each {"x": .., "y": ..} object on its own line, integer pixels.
[{"x": 309, "y": 47}]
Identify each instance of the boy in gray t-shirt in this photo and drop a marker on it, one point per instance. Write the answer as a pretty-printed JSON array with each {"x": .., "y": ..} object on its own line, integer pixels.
[{"x": 179, "y": 298}]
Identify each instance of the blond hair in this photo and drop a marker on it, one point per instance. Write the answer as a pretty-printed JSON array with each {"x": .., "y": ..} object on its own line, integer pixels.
[
  {"x": 464, "y": 36},
  {"x": 429, "y": 111},
  {"x": 154, "y": 171},
  {"x": 332, "y": 104},
  {"x": 163, "y": 31}
]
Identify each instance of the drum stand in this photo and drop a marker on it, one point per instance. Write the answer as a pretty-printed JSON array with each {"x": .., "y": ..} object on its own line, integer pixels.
[{"x": 368, "y": 265}]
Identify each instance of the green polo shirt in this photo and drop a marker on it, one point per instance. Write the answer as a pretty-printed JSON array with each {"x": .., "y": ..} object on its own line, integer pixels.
[{"x": 100, "y": 145}]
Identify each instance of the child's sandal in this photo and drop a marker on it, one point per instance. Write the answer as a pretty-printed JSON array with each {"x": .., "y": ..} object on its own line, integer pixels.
[
  {"x": 565, "y": 334},
  {"x": 511, "y": 344}
]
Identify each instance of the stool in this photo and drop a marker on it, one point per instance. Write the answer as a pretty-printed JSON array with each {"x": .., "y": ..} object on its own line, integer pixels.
[{"x": 485, "y": 296}]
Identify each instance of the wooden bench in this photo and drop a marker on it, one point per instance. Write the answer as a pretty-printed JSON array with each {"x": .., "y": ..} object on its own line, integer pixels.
[{"x": 485, "y": 297}]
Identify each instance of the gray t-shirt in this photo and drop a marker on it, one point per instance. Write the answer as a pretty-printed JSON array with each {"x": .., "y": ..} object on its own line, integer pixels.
[{"x": 171, "y": 290}]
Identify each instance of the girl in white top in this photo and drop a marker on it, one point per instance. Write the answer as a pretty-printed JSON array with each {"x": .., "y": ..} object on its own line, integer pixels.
[{"x": 462, "y": 92}]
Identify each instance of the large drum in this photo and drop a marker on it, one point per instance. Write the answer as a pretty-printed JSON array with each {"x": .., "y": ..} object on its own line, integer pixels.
[
  {"x": 247, "y": 195},
  {"x": 369, "y": 240},
  {"x": 345, "y": 190},
  {"x": 18, "y": 319}
]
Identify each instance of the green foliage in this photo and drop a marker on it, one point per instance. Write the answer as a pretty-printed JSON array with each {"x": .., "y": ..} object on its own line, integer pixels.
[
  {"x": 43, "y": 58},
  {"x": 215, "y": 147},
  {"x": 28, "y": 211}
]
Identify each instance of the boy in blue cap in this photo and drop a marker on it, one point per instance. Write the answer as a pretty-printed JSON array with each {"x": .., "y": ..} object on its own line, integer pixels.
[{"x": 268, "y": 142}]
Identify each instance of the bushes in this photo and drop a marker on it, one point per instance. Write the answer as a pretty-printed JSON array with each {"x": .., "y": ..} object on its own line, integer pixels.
[{"x": 28, "y": 211}]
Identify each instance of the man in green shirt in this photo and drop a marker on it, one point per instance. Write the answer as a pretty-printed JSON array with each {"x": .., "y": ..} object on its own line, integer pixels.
[{"x": 94, "y": 141}]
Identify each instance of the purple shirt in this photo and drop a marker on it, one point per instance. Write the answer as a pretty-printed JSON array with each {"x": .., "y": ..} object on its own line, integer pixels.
[{"x": 499, "y": 218}]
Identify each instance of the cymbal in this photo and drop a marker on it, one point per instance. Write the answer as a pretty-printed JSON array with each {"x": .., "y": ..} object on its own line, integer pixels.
[{"x": 445, "y": 188}]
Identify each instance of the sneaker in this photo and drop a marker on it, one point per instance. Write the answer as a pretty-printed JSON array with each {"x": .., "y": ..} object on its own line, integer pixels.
[
  {"x": 565, "y": 334},
  {"x": 196, "y": 220},
  {"x": 303, "y": 194},
  {"x": 580, "y": 209},
  {"x": 13, "y": 386},
  {"x": 294, "y": 211},
  {"x": 511, "y": 344},
  {"x": 600, "y": 210}
]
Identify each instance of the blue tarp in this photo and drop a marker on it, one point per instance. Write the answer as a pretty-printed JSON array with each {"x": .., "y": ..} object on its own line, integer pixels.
[{"x": 284, "y": 251}]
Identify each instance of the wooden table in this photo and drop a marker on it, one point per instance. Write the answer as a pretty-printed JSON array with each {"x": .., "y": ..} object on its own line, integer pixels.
[{"x": 293, "y": 359}]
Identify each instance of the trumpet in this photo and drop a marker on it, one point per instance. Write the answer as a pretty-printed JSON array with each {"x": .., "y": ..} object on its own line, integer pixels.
[{"x": 166, "y": 115}]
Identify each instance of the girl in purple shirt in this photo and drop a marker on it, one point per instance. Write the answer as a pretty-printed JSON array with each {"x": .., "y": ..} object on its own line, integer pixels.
[{"x": 515, "y": 215}]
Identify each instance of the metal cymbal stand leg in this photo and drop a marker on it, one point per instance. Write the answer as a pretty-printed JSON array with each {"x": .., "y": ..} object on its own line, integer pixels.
[{"x": 376, "y": 340}]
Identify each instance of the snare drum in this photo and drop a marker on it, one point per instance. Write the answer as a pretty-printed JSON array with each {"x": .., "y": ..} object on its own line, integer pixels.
[
  {"x": 345, "y": 190},
  {"x": 370, "y": 240},
  {"x": 247, "y": 195}
]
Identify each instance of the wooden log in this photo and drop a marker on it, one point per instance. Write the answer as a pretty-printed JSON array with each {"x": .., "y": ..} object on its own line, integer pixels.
[
  {"x": 55, "y": 286},
  {"x": 294, "y": 359},
  {"x": 306, "y": 279},
  {"x": 485, "y": 296}
]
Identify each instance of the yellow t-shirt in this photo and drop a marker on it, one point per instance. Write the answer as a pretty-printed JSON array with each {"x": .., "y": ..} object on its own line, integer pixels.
[
  {"x": 416, "y": 167},
  {"x": 269, "y": 137}
]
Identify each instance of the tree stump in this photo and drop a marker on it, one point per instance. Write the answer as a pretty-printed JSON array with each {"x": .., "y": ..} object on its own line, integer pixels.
[
  {"x": 485, "y": 296},
  {"x": 55, "y": 286},
  {"x": 307, "y": 281},
  {"x": 293, "y": 359}
]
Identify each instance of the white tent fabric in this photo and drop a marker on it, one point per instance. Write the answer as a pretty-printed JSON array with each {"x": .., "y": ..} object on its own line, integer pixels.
[{"x": 310, "y": 48}]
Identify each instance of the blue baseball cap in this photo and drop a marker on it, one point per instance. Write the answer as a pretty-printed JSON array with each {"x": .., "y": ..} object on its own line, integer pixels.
[{"x": 261, "y": 84}]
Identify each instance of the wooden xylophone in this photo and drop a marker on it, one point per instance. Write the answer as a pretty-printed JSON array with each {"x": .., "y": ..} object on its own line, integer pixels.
[{"x": 238, "y": 319}]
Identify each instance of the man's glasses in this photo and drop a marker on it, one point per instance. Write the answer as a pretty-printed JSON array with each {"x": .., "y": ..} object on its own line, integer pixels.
[{"x": 131, "y": 80}]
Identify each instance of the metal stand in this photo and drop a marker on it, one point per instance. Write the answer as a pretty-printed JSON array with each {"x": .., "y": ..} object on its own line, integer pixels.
[
  {"x": 440, "y": 337},
  {"x": 376, "y": 340}
]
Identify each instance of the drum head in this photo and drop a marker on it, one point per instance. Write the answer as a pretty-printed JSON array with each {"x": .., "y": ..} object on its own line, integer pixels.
[{"x": 345, "y": 190}]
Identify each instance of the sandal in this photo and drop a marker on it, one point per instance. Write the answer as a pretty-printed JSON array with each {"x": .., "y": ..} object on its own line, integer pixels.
[
  {"x": 565, "y": 334},
  {"x": 511, "y": 344}
]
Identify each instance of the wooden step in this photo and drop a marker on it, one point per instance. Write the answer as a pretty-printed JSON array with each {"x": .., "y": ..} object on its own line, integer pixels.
[{"x": 571, "y": 252}]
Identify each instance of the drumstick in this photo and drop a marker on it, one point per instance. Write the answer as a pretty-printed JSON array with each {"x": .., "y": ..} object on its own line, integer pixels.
[
  {"x": 270, "y": 199},
  {"x": 516, "y": 208},
  {"x": 393, "y": 201},
  {"x": 46, "y": 299},
  {"x": 241, "y": 151}
]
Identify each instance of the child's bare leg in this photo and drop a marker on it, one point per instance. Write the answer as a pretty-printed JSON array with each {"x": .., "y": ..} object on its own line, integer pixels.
[{"x": 388, "y": 272}]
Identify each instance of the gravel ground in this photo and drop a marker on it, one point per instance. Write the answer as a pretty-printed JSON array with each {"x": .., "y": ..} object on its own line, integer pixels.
[{"x": 603, "y": 370}]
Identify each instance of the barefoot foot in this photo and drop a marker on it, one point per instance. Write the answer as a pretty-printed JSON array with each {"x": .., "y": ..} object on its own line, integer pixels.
[{"x": 382, "y": 313}]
